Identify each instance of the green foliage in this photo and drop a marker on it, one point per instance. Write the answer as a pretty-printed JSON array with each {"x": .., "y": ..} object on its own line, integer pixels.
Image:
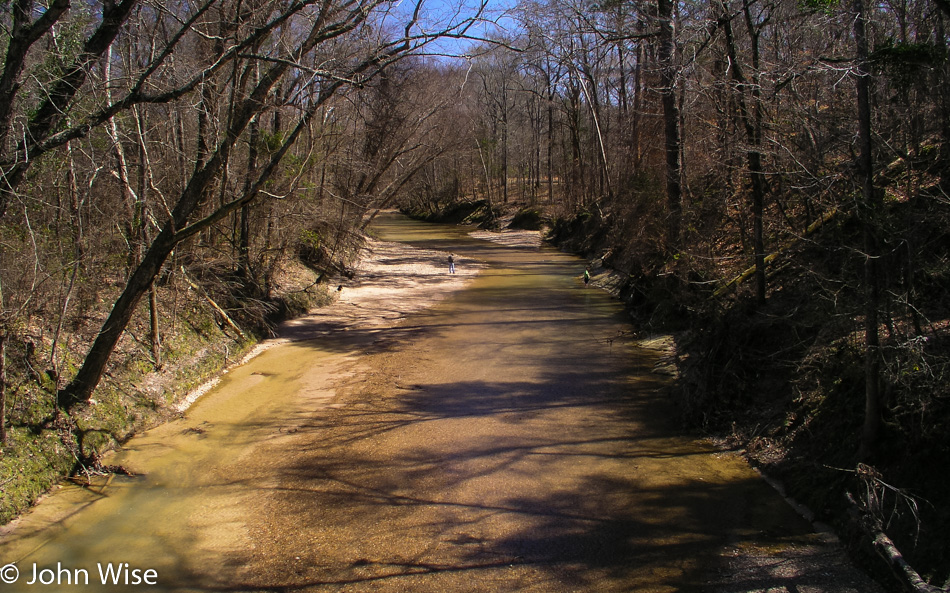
[
  {"x": 69, "y": 42},
  {"x": 311, "y": 238},
  {"x": 895, "y": 54},
  {"x": 825, "y": 6},
  {"x": 488, "y": 145},
  {"x": 310, "y": 248},
  {"x": 270, "y": 143}
]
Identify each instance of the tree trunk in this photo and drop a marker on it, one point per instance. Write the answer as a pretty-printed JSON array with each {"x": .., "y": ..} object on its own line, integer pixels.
[
  {"x": 79, "y": 255},
  {"x": 504, "y": 141},
  {"x": 550, "y": 132},
  {"x": 871, "y": 209},
  {"x": 944, "y": 103},
  {"x": 756, "y": 172},
  {"x": 131, "y": 202},
  {"x": 635, "y": 124},
  {"x": 752, "y": 124},
  {"x": 671, "y": 121},
  {"x": 154, "y": 332},
  {"x": 3, "y": 373},
  {"x": 3, "y": 388},
  {"x": 145, "y": 183},
  {"x": 244, "y": 240}
]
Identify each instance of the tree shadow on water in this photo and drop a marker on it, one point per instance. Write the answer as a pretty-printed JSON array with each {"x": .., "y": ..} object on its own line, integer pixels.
[{"x": 508, "y": 485}]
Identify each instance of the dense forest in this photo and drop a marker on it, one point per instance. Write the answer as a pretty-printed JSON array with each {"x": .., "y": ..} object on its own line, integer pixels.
[{"x": 769, "y": 178}]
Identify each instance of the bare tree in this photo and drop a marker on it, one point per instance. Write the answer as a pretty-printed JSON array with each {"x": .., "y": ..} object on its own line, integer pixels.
[
  {"x": 751, "y": 121},
  {"x": 326, "y": 72},
  {"x": 666, "y": 57},
  {"x": 870, "y": 210}
]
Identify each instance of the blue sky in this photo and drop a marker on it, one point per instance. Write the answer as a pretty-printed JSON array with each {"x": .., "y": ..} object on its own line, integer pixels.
[{"x": 437, "y": 14}]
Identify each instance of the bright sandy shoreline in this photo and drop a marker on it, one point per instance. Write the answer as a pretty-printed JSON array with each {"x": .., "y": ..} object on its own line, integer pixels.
[{"x": 392, "y": 280}]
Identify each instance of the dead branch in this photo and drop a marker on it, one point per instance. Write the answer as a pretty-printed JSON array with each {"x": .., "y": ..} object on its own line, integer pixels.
[
  {"x": 885, "y": 547},
  {"x": 213, "y": 304},
  {"x": 771, "y": 257}
]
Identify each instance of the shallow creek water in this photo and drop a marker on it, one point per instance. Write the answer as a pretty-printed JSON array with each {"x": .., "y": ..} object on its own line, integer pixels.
[{"x": 510, "y": 438}]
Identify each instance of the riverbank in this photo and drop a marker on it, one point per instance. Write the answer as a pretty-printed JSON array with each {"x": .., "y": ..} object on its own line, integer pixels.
[
  {"x": 386, "y": 282},
  {"x": 389, "y": 281},
  {"x": 376, "y": 381}
]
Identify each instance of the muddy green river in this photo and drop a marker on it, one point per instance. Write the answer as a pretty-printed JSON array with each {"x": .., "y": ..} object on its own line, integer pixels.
[{"x": 511, "y": 438}]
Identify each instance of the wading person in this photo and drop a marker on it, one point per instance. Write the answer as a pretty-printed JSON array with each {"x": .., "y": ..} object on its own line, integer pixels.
[
  {"x": 451, "y": 265},
  {"x": 586, "y": 277}
]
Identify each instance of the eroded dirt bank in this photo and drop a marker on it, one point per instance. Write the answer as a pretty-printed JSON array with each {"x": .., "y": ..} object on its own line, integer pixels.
[{"x": 510, "y": 438}]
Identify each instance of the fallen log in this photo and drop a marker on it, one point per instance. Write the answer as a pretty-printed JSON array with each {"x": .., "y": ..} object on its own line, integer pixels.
[
  {"x": 772, "y": 256},
  {"x": 201, "y": 292},
  {"x": 886, "y": 548}
]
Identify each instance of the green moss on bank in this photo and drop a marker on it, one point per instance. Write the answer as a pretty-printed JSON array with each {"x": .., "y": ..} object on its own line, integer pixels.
[{"x": 46, "y": 444}]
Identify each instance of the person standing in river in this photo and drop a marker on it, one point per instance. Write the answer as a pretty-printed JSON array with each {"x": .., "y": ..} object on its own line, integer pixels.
[
  {"x": 451, "y": 265},
  {"x": 586, "y": 277}
]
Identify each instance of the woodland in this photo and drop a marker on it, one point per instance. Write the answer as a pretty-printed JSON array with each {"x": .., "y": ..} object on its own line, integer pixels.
[{"x": 771, "y": 179}]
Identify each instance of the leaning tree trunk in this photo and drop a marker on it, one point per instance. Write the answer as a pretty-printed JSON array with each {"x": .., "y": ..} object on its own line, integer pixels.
[
  {"x": 141, "y": 279},
  {"x": 195, "y": 193},
  {"x": 139, "y": 283}
]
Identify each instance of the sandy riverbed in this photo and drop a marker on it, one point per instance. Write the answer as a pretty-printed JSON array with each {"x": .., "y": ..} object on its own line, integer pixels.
[
  {"x": 392, "y": 280},
  {"x": 301, "y": 434}
]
